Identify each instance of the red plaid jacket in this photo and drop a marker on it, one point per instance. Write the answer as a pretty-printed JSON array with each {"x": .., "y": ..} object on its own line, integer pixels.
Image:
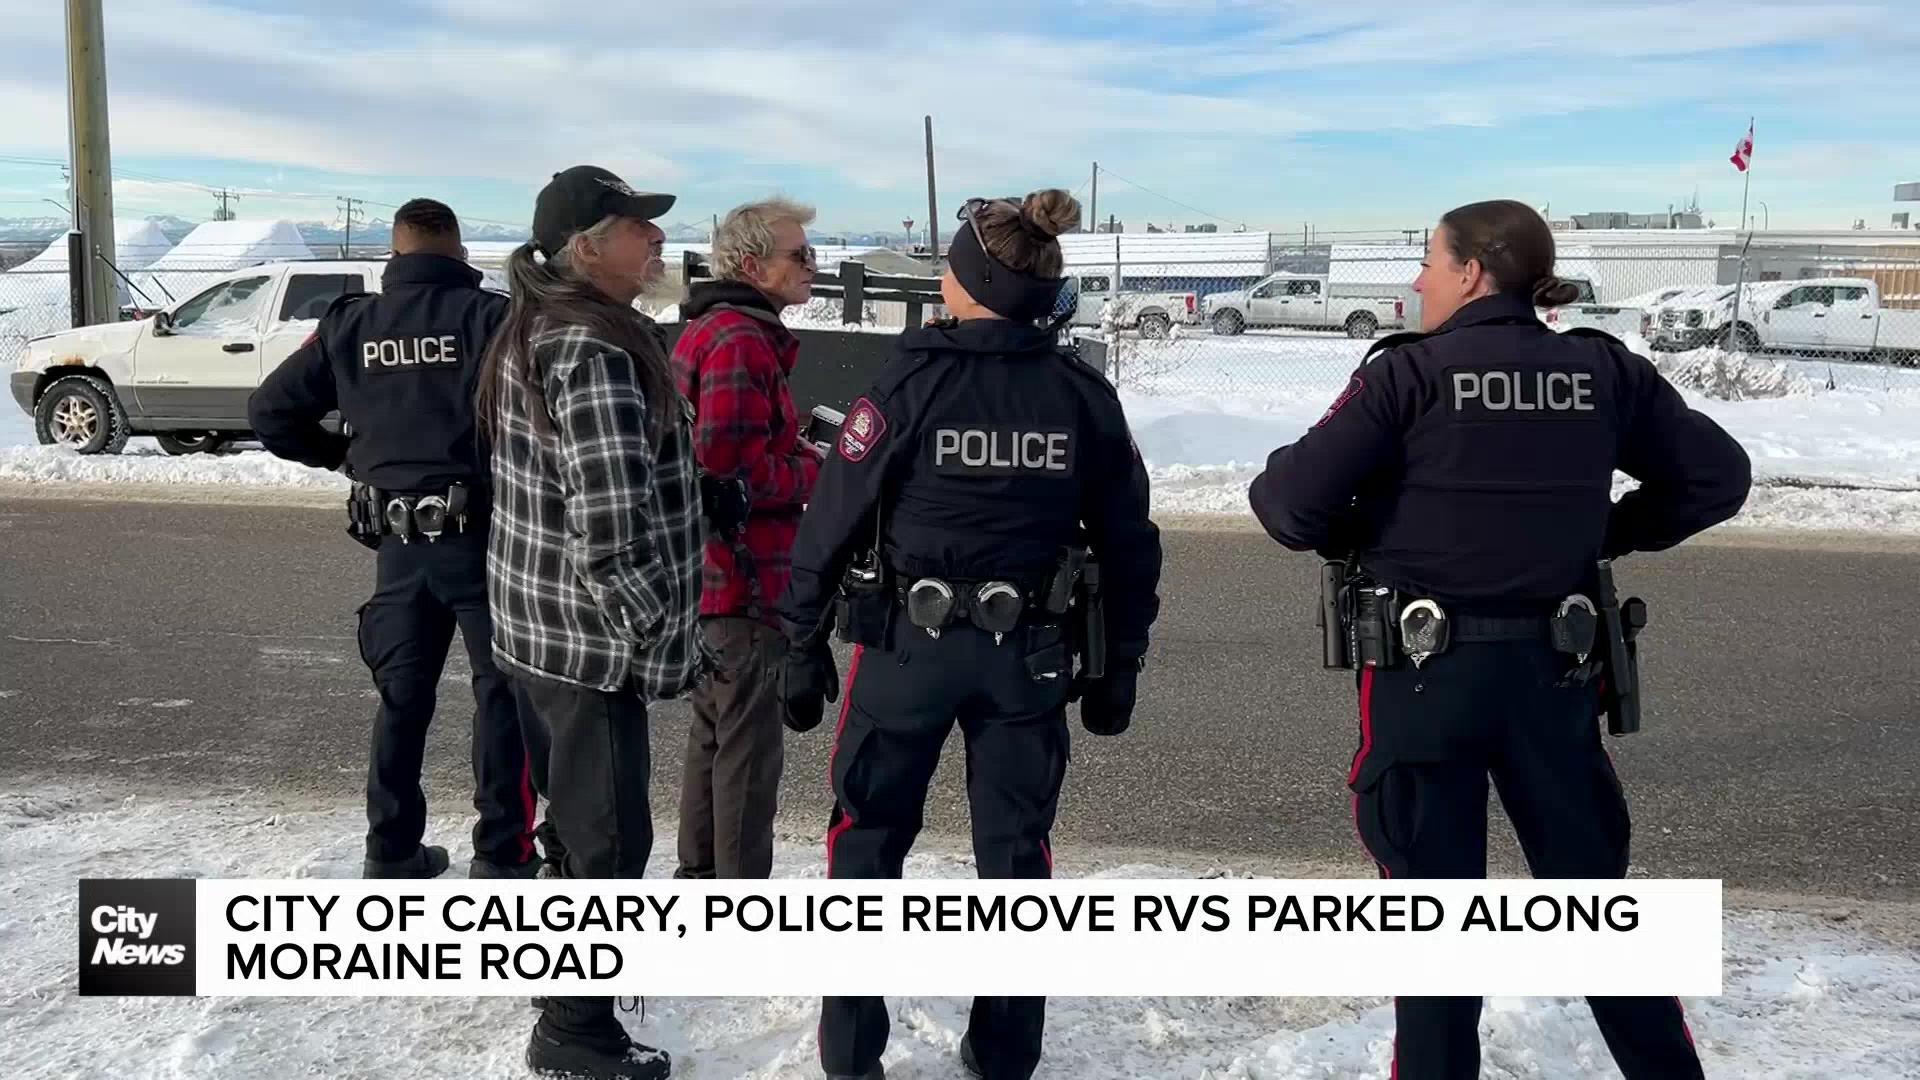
[{"x": 732, "y": 363}]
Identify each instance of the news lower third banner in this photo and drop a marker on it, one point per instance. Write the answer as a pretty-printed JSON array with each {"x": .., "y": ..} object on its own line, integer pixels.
[{"x": 1078, "y": 937}]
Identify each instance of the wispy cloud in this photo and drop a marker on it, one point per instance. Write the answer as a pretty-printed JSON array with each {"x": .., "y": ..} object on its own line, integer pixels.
[{"x": 1211, "y": 97}]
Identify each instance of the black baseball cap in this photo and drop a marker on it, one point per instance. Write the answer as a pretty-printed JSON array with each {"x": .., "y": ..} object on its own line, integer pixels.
[{"x": 580, "y": 197}]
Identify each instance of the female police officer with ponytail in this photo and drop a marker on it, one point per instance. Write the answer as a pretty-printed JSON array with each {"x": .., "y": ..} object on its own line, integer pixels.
[
  {"x": 942, "y": 538},
  {"x": 1467, "y": 472}
]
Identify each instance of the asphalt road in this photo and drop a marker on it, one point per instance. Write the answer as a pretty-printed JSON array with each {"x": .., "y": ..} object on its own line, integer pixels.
[{"x": 183, "y": 650}]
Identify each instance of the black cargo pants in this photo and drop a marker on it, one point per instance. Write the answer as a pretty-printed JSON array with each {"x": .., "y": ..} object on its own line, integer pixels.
[
  {"x": 423, "y": 593},
  {"x": 898, "y": 707},
  {"x": 730, "y": 787},
  {"x": 1430, "y": 737}
]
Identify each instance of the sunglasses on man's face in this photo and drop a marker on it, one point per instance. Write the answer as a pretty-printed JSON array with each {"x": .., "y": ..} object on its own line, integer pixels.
[{"x": 804, "y": 255}]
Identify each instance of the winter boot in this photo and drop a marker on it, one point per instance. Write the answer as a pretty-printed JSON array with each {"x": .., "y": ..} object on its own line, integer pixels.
[
  {"x": 553, "y": 853},
  {"x": 968, "y": 1060},
  {"x": 580, "y": 1037},
  {"x": 487, "y": 868},
  {"x": 427, "y": 861}
]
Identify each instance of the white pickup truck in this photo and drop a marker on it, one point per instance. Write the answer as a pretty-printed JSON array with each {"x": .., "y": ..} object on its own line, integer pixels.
[
  {"x": 184, "y": 374},
  {"x": 1303, "y": 300},
  {"x": 1154, "y": 314},
  {"x": 1622, "y": 319},
  {"x": 1817, "y": 316}
]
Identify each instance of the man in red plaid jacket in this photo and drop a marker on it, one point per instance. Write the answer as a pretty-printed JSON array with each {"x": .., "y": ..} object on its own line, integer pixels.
[{"x": 732, "y": 363}]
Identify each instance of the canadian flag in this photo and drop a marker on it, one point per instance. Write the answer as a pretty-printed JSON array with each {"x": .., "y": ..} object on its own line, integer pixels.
[{"x": 1743, "y": 153}]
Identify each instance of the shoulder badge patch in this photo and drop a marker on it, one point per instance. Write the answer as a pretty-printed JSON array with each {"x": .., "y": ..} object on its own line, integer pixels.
[
  {"x": 1352, "y": 391},
  {"x": 862, "y": 431}
]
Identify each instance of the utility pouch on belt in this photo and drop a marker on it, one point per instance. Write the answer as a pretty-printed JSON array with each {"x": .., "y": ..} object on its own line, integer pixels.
[
  {"x": 996, "y": 607},
  {"x": 363, "y": 516},
  {"x": 863, "y": 608},
  {"x": 1370, "y": 639},
  {"x": 1093, "y": 631},
  {"x": 1575, "y": 627},
  {"x": 1425, "y": 630},
  {"x": 1622, "y": 623},
  {"x": 930, "y": 604}
]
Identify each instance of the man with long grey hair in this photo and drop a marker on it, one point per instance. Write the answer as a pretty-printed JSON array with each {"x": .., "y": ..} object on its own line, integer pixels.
[
  {"x": 732, "y": 364},
  {"x": 594, "y": 565}
]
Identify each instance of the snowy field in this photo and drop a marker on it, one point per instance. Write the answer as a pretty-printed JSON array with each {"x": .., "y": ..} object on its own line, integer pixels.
[
  {"x": 1804, "y": 996},
  {"x": 1206, "y": 411}
]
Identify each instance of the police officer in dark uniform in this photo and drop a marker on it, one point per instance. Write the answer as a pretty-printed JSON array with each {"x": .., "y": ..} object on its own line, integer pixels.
[
  {"x": 945, "y": 537},
  {"x": 1465, "y": 475},
  {"x": 400, "y": 367}
]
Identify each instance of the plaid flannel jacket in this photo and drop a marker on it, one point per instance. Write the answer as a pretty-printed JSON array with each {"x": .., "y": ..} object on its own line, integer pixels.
[
  {"x": 732, "y": 364},
  {"x": 593, "y": 565}
]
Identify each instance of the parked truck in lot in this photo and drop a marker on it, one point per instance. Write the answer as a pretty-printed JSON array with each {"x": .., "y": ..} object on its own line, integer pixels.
[
  {"x": 1305, "y": 301},
  {"x": 1153, "y": 314},
  {"x": 1819, "y": 316},
  {"x": 184, "y": 374},
  {"x": 1622, "y": 319}
]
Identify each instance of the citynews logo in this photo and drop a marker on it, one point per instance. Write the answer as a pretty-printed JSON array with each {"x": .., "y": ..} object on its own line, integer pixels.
[{"x": 137, "y": 938}]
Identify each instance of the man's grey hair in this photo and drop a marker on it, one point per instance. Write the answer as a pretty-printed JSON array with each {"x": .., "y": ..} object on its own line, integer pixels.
[{"x": 748, "y": 230}]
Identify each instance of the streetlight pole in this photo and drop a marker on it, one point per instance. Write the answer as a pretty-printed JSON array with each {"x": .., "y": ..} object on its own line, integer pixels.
[{"x": 1766, "y": 219}]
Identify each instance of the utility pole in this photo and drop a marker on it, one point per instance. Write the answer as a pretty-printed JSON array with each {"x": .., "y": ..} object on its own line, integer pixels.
[
  {"x": 933, "y": 204},
  {"x": 348, "y": 208},
  {"x": 92, "y": 162},
  {"x": 1093, "y": 211},
  {"x": 223, "y": 197}
]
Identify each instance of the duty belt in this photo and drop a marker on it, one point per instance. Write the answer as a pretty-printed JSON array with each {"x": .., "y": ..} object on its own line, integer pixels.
[
  {"x": 995, "y": 605},
  {"x": 1369, "y": 625},
  {"x": 392, "y": 513}
]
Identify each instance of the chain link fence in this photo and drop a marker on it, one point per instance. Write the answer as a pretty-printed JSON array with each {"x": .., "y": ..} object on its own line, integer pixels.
[{"x": 1248, "y": 318}]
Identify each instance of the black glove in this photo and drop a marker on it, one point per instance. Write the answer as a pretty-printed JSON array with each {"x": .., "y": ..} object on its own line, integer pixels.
[
  {"x": 724, "y": 504},
  {"x": 1106, "y": 703},
  {"x": 809, "y": 679}
]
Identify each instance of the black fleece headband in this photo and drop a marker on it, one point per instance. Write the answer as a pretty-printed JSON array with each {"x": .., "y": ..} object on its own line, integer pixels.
[{"x": 1002, "y": 290}]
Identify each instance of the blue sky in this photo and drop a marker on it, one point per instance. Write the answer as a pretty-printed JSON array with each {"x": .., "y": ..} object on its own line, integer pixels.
[{"x": 1361, "y": 114}]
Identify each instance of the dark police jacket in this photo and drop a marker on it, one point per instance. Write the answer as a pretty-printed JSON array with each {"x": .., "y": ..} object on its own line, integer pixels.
[
  {"x": 983, "y": 448},
  {"x": 401, "y": 367},
  {"x": 1476, "y": 463}
]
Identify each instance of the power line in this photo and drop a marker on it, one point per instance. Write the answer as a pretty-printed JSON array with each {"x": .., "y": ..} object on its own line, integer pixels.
[
  {"x": 1186, "y": 206},
  {"x": 462, "y": 217}
]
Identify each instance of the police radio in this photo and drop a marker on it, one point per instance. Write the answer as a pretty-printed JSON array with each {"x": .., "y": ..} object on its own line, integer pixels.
[{"x": 823, "y": 427}]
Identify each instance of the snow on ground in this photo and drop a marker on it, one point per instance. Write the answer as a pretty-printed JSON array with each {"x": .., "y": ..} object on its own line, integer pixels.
[
  {"x": 1803, "y": 997},
  {"x": 1207, "y": 410},
  {"x": 144, "y": 462},
  {"x": 1207, "y": 413}
]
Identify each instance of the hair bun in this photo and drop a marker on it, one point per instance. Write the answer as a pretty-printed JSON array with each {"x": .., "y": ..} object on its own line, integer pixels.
[
  {"x": 1052, "y": 211},
  {"x": 1550, "y": 292}
]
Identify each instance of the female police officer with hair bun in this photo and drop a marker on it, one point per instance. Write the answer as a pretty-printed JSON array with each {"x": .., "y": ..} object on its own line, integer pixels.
[
  {"x": 942, "y": 538},
  {"x": 1465, "y": 475}
]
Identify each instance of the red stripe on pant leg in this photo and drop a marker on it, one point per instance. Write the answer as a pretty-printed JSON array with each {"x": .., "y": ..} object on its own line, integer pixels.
[
  {"x": 524, "y": 842},
  {"x": 839, "y": 729},
  {"x": 1685, "y": 1028},
  {"x": 1366, "y": 724},
  {"x": 1047, "y": 850},
  {"x": 1360, "y": 758}
]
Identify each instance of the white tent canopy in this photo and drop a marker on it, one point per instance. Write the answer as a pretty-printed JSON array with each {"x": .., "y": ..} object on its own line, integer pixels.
[
  {"x": 215, "y": 248},
  {"x": 136, "y": 244}
]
